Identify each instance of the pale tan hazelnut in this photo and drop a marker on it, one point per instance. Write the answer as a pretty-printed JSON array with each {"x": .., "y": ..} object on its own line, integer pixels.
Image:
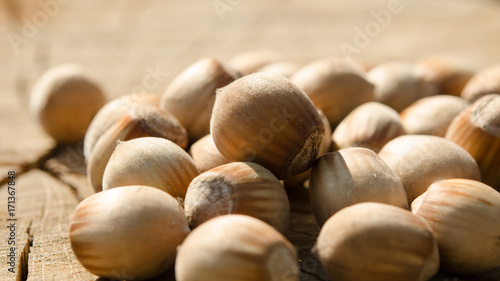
[
  {"x": 129, "y": 233},
  {"x": 238, "y": 188},
  {"x": 432, "y": 115},
  {"x": 139, "y": 121},
  {"x": 350, "y": 176},
  {"x": 377, "y": 242},
  {"x": 284, "y": 68},
  {"x": 420, "y": 160},
  {"x": 191, "y": 96},
  {"x": 398, "y": 84},
  {"x": 448, "y": 75},
  {"x": 110, "y": 113},
  {"x": 370, "y": 125},
  {"x": 250, "y": 62},
  {"x": 64, "y": 100},
  {"x": 484, "y": 82},
  {"x": 465, "y": 218},
  {"x": 477, "y": 130},
  {"x": 155, "y": 162},
  {"x": 206, "y": 155},
  {"x": 266, "y": 119},
  {"x": 335, "y": 86},
  {"x": 236, "y": 248}
]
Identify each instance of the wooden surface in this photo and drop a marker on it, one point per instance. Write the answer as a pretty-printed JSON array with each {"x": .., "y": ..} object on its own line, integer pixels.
[{"x": 122, "y": 42}]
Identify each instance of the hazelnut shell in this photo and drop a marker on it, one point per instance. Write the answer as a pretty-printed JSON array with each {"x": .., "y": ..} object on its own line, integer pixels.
[
  {"x": 465, "y": 218},
  {"x": 266, "y": 119}
]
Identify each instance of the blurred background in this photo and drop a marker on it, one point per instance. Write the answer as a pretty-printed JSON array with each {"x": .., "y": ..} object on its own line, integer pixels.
[{"x": 124, "y": 41}]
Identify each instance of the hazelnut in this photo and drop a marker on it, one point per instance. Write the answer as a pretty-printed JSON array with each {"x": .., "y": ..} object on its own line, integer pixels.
[
  {"x": 155, "y": 162},
  {"x": 238, "y": 188},
  {"x": 139, "y": 121},
  {"x": 477, "y": 130},
  {"x": 370, "y": 125},
  {"x": 398, "y": 84},
  {"x": 377, "y": 242},
  {"x": 129, "y": 233},
  {"x": 335, "y": 86},
  {"x": 284, "y": 68},
  {"x": 484, "y": 82},
  {"x": 236, "y": 248},
  {"x": 206, "y": 155},
  {"x": 191, "y": 96},
  {"x": 110, "y": 113},
  {"x": 64, "y": 100},
  {"x": 448, "y": 75},
  {"x": 420, "y": 160},
  {"x": 350, "y": 176},
  {"x": 250, "y": 62},
  {"x": 266, "y": 119},
  {"x": 465, "y": 218},
  {"x": 432, "y": 115}
]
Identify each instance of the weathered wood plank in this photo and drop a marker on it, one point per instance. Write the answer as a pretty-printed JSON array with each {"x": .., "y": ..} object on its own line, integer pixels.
[
  {"x": 52, "y": 204},
  {"x": 21, "y": 239},
  {"x": 44, "y": 206},
  {"x": 22, "y": 140},
  {"x": 68, "y": 165}
]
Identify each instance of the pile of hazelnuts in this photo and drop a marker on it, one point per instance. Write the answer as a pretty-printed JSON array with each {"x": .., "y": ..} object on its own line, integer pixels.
[{"x": 401, "y": 162}]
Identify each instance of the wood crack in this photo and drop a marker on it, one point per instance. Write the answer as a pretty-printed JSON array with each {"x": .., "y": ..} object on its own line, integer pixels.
[
  {"x": 26, "y": 167},
  {"x": 57, "y": 175},
  {"x": 311, "y": 234},
  {"x": 319, "y": 278},
  {"x": 22, "y": 269}
]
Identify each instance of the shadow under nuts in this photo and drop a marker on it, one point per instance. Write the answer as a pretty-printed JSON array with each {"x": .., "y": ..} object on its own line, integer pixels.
[
  {"x": 129, "y": 232},
  {"x": 236, "y": 248},
  {"x": 465, "y": 218},
  {"x": 377, "y": 242},
  {"x": 155, "y": 162},
  {"x": 350, "y": 176},
  {"x": 266, "y": 119},
  {"x": 238, "y": 188}
]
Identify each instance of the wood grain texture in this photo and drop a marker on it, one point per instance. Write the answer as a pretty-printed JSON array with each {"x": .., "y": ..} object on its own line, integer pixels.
[{"x": 44, "y": 207}]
